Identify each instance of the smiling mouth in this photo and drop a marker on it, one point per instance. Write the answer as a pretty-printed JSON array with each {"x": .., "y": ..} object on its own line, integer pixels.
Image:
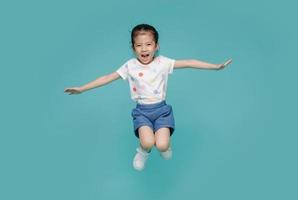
[{"x": 144, "y": 55}]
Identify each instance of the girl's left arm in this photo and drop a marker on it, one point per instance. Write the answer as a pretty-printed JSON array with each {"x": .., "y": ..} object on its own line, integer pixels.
[{"x": 200, "y": 64}]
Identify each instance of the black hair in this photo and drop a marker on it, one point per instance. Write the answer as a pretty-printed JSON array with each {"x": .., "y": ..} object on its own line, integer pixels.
[{"x": 143, "y": 27}]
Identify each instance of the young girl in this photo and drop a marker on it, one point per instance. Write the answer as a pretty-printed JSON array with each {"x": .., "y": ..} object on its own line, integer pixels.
[{"x": 147, "y": 75}]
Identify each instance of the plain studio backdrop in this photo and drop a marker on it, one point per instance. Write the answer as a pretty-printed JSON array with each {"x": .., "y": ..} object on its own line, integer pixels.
[{"x": 236, "y": 129}]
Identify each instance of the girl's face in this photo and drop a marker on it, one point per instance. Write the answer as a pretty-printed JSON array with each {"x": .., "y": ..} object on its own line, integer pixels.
[{"x": 145, "y": 47}]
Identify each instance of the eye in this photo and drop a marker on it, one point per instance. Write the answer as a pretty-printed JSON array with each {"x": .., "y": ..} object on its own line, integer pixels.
[{"x": 149, "y": 44}]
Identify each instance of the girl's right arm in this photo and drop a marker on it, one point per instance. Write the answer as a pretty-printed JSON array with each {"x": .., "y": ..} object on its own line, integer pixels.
[{"x": 103, "y": 80}]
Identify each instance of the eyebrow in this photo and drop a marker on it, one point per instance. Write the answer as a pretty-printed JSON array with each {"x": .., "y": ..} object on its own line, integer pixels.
[{"x": 145, "y": 43}]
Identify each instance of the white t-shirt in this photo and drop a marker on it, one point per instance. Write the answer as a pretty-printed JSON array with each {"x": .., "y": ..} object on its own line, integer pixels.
[{"x": 148, "y": 83}]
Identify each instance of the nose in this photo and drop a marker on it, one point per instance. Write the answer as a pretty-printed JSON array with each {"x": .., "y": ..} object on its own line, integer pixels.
[{"x": 144, "y": 48}]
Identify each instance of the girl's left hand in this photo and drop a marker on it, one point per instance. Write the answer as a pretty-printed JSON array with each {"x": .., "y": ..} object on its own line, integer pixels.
[{"x": 221, "y": 66}]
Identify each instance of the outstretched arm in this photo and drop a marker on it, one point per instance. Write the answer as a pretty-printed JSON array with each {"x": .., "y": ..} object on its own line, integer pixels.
[
  {"x": 103, "y": 80},
  {"x": 200, "y": 64}
]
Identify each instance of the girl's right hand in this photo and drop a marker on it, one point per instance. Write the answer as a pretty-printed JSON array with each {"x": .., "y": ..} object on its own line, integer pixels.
[{"x": 74, "y": 90}]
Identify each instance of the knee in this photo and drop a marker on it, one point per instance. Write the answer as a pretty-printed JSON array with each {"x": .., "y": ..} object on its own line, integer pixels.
[
  {"x": 147, "y": 143},
  {"x": 162, "y": 145}
]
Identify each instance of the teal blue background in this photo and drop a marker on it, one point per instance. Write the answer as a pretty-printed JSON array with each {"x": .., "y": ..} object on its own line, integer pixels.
[{"x": 236, "y": 129}]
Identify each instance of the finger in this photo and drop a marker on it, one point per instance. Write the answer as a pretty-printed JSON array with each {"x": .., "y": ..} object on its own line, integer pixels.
[{"x": 227, "y": 62}]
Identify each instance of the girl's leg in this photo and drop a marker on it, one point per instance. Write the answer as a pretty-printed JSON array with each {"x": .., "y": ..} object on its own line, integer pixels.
[
  {"x": 162, "y": 139},
  {"x": 146, "y": 136},
  {"x": 146, "y": 141}
]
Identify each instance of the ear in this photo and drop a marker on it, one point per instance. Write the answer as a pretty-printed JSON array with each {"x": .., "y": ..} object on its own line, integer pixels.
[{"x": 157, "y": 47}]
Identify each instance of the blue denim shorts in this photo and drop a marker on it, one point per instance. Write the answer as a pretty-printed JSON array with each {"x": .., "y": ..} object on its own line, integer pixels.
[{"x": 156, "y": 116}]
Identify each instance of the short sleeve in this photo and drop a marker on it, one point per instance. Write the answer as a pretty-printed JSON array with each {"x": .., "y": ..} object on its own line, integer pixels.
[
  {"x": 169, "y": 63},
  {"x": 123, "y": 71}
]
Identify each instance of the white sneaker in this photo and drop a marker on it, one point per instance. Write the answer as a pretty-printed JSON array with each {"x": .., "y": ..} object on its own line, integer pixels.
[
  {"x": 140, "y": 158},
  {"x": 167, "y": 155}
]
